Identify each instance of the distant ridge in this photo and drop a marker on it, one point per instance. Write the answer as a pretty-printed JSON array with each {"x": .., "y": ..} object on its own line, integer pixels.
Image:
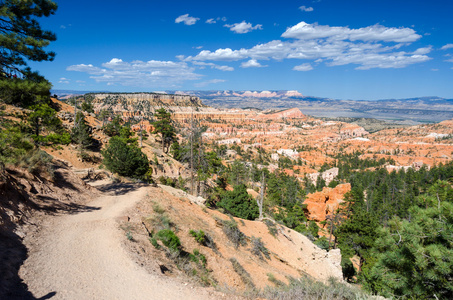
[{"x": 426, "y": 109}]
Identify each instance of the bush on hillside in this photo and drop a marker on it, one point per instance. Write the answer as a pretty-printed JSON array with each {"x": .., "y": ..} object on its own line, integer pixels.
[
  {"x": 169, "y": 239},
  {"x": 239, "y": 203},
  {"x": 124, "y": 159}
]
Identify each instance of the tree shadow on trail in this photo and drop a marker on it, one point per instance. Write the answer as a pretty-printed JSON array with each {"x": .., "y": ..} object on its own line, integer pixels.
[
  {"x": 120, "y": 188},
  {"x": 12, "y": 255},
  {"x": 19, "y": 197}
]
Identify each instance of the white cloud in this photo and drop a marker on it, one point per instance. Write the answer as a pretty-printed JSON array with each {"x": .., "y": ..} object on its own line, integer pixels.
[
  {"x": 366, "y": 47},
  {"x": 253, "y": 63},
  {"x": 87, "y": 69},
  {"x": 186, "y": 19},
  {"x": 447, "y": 46},
  {"x": 213, "y": 66},
  {"x": 220, "y": 55},
  {"x": 208, "y": 82},
  {"x": 305, "y": 31},
  {"x": 424, "y": 50},
  {"x": 434, "y": 70},
  {"x": 63, "y": 80},
  {"x": 379, "y": 60},
  {"x": 305, "y": 8},
  {"x": 243, "y": 27},
  {"x": 449, "y": 60},
  {"x": 215, "y": 20},
  {"x": 150, "y": 74},
  {"x": 303, "y": 67}
]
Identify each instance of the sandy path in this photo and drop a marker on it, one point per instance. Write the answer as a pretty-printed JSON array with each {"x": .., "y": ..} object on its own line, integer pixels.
[{"x": 80, "y": 257}]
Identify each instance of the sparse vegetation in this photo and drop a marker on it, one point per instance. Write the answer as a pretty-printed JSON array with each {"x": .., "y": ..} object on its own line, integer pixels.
[
  {"x": 243, "y": 274},
  {"x": 310, "y": 289},
  {"x": 258, "y": 248},
  {"x": 272, "y": 227},
  {"x": 231, "y": 230},
  {"x": 275, "y": 281}
]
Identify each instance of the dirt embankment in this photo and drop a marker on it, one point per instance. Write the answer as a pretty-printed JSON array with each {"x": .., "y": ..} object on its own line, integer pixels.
[
  {"x": 25, "y": 200},
  {"x": 80, "y": 256},
  {"x": 291, "y": 254}
]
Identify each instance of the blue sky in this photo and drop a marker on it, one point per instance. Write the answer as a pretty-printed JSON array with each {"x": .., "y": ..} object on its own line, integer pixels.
[{"x": 362, "y": 50}]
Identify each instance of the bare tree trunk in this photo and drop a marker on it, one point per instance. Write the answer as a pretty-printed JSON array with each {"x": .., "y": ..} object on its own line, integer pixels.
[
  {"x": 261, "y": 199},
  {"x": 191, "y": 155},
  {"x": 141, "y": 138}
]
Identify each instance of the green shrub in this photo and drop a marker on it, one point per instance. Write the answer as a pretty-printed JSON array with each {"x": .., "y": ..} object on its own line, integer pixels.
[
  {"x": 322, "y": 243},
  {"x": 125, "y": 159},
  {"x": 313, "y": 228},
  {"x": 157, "y": 208},
  {"x": 161, "y": 221},
  {"x": 154, "y": 243},
  {"x": 198, "y": 258},
  {"x": 169, "y": 239},
  {"x": 199, "y": 236},
  {"x": 239, "y": 203}
]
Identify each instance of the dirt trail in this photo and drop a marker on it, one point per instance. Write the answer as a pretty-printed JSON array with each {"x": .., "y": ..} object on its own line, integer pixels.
[{"x": 80, "y": 256}]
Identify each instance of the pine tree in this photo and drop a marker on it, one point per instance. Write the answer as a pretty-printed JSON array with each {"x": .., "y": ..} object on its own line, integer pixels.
[
  {"x": 239, "y": 203},
  {"x": 164, "y": 127},
  {"x": 356, "y": 235},
  {"x": 43, "y": 117},
  {"x": 125, "y": 159},
  {"x": 81, "y": 134},
  {"x": 21, "y": 36},
  {"x": 414, "y": 256}
]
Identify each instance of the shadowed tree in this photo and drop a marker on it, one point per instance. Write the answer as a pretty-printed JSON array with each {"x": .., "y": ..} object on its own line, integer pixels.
[
  {"x": 164, "y": 127},
  {"x": 22, "y": 40},
  {"x": 21, "y": 36},
  {"x": 81, "y": 134}
]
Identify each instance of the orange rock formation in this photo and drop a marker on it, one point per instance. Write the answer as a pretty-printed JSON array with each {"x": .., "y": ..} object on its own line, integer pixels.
[{"x": 326, "y": 202}]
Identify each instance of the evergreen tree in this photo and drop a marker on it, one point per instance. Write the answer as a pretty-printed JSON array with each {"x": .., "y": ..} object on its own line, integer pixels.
[
  {"x": 113, "y": 128},
  {"x": 87, "y": 104},
  {"x": 24, "y": 92},
  {"x": 239, "y": 203},
  {"x": 125, "y": 159},
  {"x": 164, "y": 127},
  {"x": 43, "y": 117},
  {"x": 356, "y": 235},
  {"x": 21, "y": 36},
  {"x": 81, "y": 134},
  {"x": 414, "y": 256}
]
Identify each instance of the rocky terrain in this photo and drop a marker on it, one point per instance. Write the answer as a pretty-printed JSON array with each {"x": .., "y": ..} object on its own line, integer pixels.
[
  {"x": 52, "y": 211},
  {"x": 267, "y": 252},
  {"x": 409, "y": 111}
]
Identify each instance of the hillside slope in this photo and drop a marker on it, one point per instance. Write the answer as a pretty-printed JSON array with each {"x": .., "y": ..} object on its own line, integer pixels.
[
  {"x": 25, "y": 200},
  {"x": 79, "y": 256}
]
